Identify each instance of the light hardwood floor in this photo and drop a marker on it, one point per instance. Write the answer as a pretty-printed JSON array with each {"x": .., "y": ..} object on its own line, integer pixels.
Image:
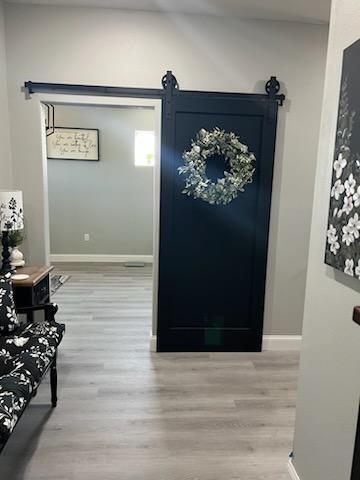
[{"x": 127, "y": 414}]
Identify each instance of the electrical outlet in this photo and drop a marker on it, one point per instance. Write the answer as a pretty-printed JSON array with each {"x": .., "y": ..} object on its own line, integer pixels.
[{"x": 86, "y": 237}]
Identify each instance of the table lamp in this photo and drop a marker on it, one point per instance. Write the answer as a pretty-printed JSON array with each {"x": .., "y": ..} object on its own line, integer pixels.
[{"x": 11, "y": 218}]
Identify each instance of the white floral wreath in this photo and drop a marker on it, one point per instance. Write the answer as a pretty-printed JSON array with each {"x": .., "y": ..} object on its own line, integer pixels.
[{"x": 238, "y": 157}]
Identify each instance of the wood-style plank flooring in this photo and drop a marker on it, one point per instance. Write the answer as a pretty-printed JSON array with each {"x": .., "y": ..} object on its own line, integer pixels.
[{"x": 127, "y": 414}]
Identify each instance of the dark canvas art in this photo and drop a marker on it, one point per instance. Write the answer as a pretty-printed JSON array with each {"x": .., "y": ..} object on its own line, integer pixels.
[{"x": 343, "y": 234}]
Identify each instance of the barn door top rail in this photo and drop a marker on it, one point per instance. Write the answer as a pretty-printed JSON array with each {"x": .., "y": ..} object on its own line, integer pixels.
[{"x": 170, "y": 86}]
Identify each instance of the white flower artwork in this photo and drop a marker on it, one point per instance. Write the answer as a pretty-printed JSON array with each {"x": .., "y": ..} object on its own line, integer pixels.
[
  {"x": 347, "y": 236},
  {"x": 354, "y": 225},
  {"x": 350, "y": 185},
  {"x": 334, "y": 247},
  {"x": 349, "y": 267},
  {"x": 339, "y": 165},
  {"x": 356, "y": 197},
  {"x": 348, "y": 205},
  {"x": 337, "y": 189},
  {"x": 343, "y": 231},
  {"x": 333, "y": 239},
  {"x": 331, "y": 233}
]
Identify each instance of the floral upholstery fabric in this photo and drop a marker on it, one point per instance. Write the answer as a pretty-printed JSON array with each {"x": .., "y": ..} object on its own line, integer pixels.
[
  {"x": 8, "y": 319},
  {"x": 15, "y": 391},
  {"x": 24, "y": 357}
]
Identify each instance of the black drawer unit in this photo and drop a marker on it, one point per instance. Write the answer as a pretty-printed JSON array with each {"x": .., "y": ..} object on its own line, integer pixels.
[{"x": 35, "y": 290}]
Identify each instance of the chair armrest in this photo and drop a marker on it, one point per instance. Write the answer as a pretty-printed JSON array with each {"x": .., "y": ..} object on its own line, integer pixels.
[{"x": 49, "y": 310}]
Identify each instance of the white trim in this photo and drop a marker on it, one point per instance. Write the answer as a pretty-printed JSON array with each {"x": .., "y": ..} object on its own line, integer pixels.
[
  {"x": 153, "y": 346},
  {"x": 80, "y": 99},
  {"x": 60, "y": 257},
  {"x": 156, "y": 214},
  {"x": 292, "y": 471},
  {"x": 270, "y": 342},
  {"x": 281, "y": 342}
]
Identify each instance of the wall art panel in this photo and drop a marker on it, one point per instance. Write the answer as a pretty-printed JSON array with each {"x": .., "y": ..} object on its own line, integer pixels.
[{"x": 343, "y": 233}]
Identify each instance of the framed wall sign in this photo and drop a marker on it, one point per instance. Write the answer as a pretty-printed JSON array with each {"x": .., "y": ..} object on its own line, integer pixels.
[{"x": 73, "y": 144}]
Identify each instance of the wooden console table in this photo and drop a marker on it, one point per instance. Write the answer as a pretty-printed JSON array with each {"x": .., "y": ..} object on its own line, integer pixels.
[{"x": 35, "y": 290}]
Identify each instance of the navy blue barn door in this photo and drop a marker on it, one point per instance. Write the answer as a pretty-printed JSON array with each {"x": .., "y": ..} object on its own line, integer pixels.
[
  {"x": 212, "y": 262},
  {"x": 212, "y": 258}
]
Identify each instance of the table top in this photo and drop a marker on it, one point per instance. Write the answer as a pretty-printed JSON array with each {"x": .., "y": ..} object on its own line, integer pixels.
[{"x": 36, "y": 275}]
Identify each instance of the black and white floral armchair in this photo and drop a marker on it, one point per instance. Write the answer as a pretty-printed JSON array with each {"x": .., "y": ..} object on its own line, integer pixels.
[{"x": 27, "y": 351}]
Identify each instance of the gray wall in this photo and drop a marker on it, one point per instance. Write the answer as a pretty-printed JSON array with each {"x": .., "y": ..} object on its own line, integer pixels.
[
  {"x": 329, "y": 386},
  {"x": 5, "y": 160},
  {"x": 112, "y": 200},
  {"x": 114, "y": 47}
]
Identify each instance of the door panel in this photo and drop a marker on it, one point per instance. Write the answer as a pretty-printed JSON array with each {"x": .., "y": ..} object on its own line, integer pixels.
[{"x": 213, "y": 257}]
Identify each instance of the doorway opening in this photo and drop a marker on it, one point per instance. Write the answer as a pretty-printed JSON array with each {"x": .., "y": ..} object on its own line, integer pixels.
[{"x": 101, "y": 183}]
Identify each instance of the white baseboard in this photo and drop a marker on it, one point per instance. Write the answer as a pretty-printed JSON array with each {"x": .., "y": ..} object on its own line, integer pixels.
[
  {"x": 270, "y": 342},
  {"x": 153, "y": 343},
  {"x": 292, "y": 472},
  {"x": 282, "y": 342},
  {"x": 75, "y": 257}
]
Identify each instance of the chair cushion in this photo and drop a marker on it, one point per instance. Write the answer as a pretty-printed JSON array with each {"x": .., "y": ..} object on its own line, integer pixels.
[
  {"x": 9, "y": 321},
  {"x": 24, "y": 358},
  {"x": 15, "y": 392},
  {"x": 33, "y": 346},
  {"x": 53, "y": 331}
]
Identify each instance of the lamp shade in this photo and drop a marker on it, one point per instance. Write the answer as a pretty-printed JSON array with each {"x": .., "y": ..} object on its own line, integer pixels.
[{"x": 11, "y": 210}]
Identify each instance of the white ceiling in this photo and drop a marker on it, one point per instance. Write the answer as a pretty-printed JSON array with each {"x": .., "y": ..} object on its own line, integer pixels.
[{"x": 313, "y": 11}]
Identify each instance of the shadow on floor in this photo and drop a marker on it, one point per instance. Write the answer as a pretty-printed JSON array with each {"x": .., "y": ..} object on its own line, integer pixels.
[{"x": 22, "y": 444}]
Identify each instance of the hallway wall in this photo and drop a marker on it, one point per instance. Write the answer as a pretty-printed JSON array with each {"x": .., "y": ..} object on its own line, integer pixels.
[
  {"x": 124, "y": 48},
  {"x": 5, "y": 158},
  {"x": 329, "y": 386}
]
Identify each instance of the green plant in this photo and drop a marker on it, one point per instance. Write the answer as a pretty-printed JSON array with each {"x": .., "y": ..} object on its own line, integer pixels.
[{"x": 16, "y": 238}]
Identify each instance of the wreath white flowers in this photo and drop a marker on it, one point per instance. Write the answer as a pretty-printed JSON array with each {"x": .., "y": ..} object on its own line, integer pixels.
[{"x": 236, "y": 154}]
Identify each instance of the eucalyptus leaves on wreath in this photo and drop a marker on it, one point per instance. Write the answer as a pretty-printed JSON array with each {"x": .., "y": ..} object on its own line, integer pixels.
[{"x": 236, "y": 155}]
